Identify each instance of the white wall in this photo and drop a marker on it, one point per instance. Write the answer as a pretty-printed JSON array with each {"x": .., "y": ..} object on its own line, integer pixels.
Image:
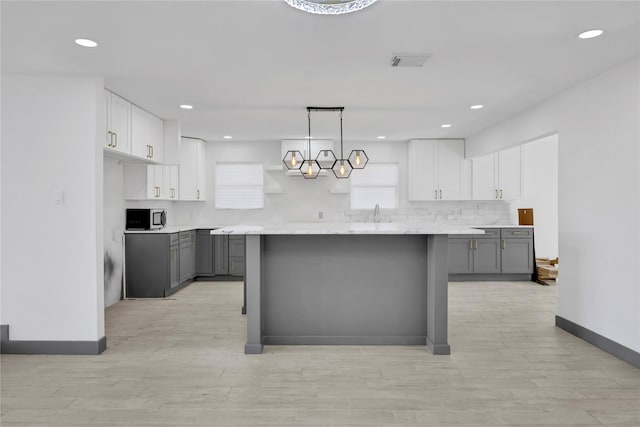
[
  {"x": 540, "y": 192},
  {"x": 52, "y": 276},
  {"x": 599, "y": 196}
]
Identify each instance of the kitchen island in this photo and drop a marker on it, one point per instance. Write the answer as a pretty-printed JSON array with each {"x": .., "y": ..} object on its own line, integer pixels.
[{"x": 347, "y": 283}]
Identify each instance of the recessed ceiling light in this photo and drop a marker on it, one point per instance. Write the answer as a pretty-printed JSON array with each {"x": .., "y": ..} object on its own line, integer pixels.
[
  {"x": 86, "y": 43},
  {"x": 227, "y": 137},
  {"x": 382, "y": 137},
  {"x": 477, "y": 107},
  {"x": 186, "y": 107},
  {"x": 590, "y": 34},
  {"x": 308, "y": 137},
  {"x": 446, "y": 125}
]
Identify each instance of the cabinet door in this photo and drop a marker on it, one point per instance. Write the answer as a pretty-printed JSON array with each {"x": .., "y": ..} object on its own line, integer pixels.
[
  {"x": 484, "y": 178},
  {"x": 169, "y": 182},
  {"x": 451, "y": 176},
  {"x": 236, "y": 266},
  {"x": 120, "y": 118},
  {"x": 201, "y": 171},
  {"x": 517, "y": 256},
  {"x": 204, "y": 252},
  {"x": 510, "y": 174},
  {"x": 155, "y": 187},
  {"x": 486, "y": 256},
  {"x": 460, "y": 256},
  {"x": 108, "y": 141},
  {"x": 174, "y": 266},
  {"x": 188, "y": 171},
  {"x": 146, "y": 135},
  {"x": 221, "y": 250},
  {"x": 423, "y": 170}
]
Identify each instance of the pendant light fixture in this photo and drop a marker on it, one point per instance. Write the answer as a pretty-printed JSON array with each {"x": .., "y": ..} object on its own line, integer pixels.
[
  {"x": 310, "y": 168},
  {"x": 326, "y": 159},
  {"x": 342, "y": 168}
]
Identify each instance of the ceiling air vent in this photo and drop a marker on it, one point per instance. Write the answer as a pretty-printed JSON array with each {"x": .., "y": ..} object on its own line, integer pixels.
[{"x": 404, "y": 60}]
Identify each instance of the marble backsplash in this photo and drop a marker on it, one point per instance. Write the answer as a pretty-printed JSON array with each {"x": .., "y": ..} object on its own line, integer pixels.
[{"x": 463, "y": 213}]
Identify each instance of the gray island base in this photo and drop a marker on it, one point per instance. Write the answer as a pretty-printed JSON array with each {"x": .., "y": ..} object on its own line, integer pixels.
[{"x": 373, "y": 284}]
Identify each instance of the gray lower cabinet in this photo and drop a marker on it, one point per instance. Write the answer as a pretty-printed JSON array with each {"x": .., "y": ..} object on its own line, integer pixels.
[
  {"x": 505, "y": 254},
  {"x": 236, "y": 255},
  {"x": 517, "y": 251},
  {"x": 204, "y": 253},
  {"x": 221, "y": 249},
  {"x": 187, "y": 255},
  {"x": 152, "y": 264},
  {"x": 158, "y": 264},
  {"x": 475, "y": 253}
]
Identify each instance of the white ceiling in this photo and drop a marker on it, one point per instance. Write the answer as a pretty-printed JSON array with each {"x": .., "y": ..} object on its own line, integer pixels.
[{"x": 251, "y": 67}]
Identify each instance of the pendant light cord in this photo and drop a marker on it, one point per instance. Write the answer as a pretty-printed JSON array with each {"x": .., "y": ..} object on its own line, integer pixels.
[
  {"x": 341, "y": 152},
  {"x": 309, "y": 140}
]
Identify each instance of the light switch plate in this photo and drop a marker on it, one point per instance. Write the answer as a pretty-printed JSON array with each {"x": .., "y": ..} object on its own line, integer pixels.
[{"x": 58, "y": 197}]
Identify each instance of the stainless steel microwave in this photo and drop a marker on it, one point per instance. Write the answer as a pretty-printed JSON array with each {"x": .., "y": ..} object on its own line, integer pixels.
[{"x": 146, "y": 219}]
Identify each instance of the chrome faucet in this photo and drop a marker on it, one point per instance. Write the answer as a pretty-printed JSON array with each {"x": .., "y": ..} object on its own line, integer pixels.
[{"x": 376, "y": 214}]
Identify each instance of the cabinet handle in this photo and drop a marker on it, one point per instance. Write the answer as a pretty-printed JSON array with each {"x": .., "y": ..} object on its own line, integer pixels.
[
  {"x": 476, "y": 245},
  {"x": 440, "y": 194},
  {"x": 516, "y": 233},
  {"x": 501, "y": 193},
  {"x": 496, "y": 193},
  {"x": 470, "y": 244},
  {"x": 115, "y": 138},
  {"x": 436, "y": 194},
  {"x": 151, "y": 147},
  {"x": 504, "y": 245},
  {"x": 110, "y": 138},
  {"x": 197, "y": 194}
]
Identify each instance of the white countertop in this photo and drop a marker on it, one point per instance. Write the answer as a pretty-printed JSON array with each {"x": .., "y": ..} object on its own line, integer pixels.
[
  {"x": 349, "y": 228},
  {"x": 335, "y": 228},
  {"x": 173, "y": 229},
  {"x": 500, "y": 226}
]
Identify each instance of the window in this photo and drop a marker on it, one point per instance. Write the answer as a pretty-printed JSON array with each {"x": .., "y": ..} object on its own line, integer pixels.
[
  {"x": 239, "y": 186},
  {"x": 377, "y": 184}
]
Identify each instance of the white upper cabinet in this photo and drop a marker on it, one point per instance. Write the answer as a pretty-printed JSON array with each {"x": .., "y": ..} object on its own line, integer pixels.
[
  {"x": 170, "y": 188},
  {"x": 498, "y": 176},
  {"x": 192, "y": 170},
  {"x": 146, "y": 135},
  {"x": 150, "y": 182},
  {"x": 438, "y": 170},
  {"x": 118, "y": 123}
]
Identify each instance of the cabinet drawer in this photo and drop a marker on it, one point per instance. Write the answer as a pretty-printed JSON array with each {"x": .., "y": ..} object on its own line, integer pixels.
[
  {"x": 517, "y": 233},
  {"x": 187, "y": 236},
  {"x": 173, "y": 239},
  {"x": 489, "y": 233}
]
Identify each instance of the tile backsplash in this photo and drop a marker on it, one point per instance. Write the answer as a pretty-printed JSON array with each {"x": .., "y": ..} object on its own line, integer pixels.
[{"x": 458, "y": 212}]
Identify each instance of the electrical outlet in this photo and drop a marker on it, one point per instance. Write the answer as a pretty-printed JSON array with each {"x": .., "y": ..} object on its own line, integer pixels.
[{"x": 58, "y": 197}]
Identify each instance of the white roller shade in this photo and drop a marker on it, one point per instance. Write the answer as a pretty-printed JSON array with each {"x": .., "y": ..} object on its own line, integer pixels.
[
  {"x": 375, "y": 184},
  {"x": 239, "y": 186}
]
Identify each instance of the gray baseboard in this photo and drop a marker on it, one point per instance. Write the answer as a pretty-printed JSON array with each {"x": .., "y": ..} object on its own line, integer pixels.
[
  {"x": 498, "y": 277},
  {"x": 7, "y": 346},
  {"x": 253, "y": 348},
  {"x": 440, "y": 349},
  {"x": 343, "y": 340},
  {"x": 630, "y": 356}
]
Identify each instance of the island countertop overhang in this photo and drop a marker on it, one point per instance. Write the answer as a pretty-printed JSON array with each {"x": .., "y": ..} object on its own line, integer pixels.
[{"x": 326, "y": 228}]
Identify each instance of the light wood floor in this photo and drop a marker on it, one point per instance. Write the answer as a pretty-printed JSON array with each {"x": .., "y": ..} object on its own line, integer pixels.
[{"x": 180, "y": 362}]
